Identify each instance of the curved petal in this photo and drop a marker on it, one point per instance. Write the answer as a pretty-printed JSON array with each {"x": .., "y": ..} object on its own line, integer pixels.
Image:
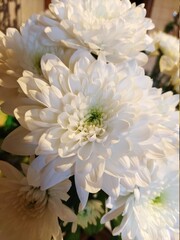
[
  {"x": 10, "y": 172},
  {"x": 16, "y": 143}
]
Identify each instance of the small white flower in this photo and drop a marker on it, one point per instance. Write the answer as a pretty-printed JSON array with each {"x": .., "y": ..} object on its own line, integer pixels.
[
  {"x": 27, "y": 212},
  {"x": 150, "y": 212},
  {"x": 167, "y": 43},
  {"x": 89, "y": 214},
  {"x": 118, "y": 29},
  {"x": 21, "y": 51}
]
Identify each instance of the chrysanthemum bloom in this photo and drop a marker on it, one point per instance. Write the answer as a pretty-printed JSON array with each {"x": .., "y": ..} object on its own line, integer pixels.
[
  {"x": 26, "y": 212},
  {"x": 169, "y": 61},
  {"x": 148, "y": 213},
  {"x": 80, "y": 120},
  {"x": 118, "y": 29},
  {"x": 89, "y": 215},
  {"x": 21, "y": 51}
]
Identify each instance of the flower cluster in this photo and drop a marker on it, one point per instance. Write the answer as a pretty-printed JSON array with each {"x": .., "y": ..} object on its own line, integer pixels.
[{"x": 91, "y": 123}]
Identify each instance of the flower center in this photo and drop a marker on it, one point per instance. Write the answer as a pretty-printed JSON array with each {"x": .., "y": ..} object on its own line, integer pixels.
[
  {"x": 94, "y": 117},
  {"x": 158, "y": 200},
  {"x": 32, "y": 201}
]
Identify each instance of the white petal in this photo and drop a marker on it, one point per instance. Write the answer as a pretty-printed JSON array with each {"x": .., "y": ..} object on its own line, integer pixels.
[
  {"x": 15, "y": 143},
  {"x": 85, "y": 151},
  {"x": 56, "y": 34},
  {"x": 82, "y": 194},
  {"x": 9, "y": 171},
  {"x": 111, "y": 185},
  {"x": 62, "y": 211},
  {"x": 111, "y": 215}
]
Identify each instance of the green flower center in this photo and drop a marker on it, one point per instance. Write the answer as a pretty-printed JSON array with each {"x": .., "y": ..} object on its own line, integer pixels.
[
  {"x": 86, "y": 212},
  {"x": 94, "y": 117},
  {"x": 159, "y": 199}
]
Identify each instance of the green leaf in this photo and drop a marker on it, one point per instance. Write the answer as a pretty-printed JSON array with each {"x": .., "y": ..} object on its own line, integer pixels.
[
  {"x": 10, "y": 122},
  {"x": 116, "y": 238},
  {"x": 73, "y": 236},
  {"x": 93, "y": 229},
  {"x": 116, "y": 222}
]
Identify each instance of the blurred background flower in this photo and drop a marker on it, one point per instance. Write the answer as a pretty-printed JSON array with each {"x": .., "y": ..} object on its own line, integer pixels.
[{"x": 3, "y": 118}]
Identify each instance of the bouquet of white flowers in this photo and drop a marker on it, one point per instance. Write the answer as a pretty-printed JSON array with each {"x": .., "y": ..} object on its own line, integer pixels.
[{"x": 97, "y": 143}]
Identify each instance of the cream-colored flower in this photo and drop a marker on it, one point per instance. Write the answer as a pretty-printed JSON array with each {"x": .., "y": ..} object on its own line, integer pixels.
[
  {"x": 88, "y": 215},
  {"x": 81, "y": 120},
  {"x": 151, "y": 212},
  {"x": 175, "y": 80},
  {"x": 118, "y": 29},
  {"x": 27, "y": 212},
  {"x": 171, "y": 67},
  {"x": 169, "y": 62},
  {"x": 167, "y": 43},
  {"x": 21, "y": 51}
]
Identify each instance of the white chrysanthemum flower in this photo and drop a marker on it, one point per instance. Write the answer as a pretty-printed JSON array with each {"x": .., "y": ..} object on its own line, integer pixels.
[
  {"x": 80, "y": 120},
  {"x": 88, "y": 215},
  {"x": 169, "y": 62},
  {"x": 167, "y": 43},
  {"x": 27, "y": 212},
  {"x": 68, "y": 119},
  {"x": 118, "y": 29},
  {"x": 148, "y": 213},
  {"x": 21, "y": 51}
]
